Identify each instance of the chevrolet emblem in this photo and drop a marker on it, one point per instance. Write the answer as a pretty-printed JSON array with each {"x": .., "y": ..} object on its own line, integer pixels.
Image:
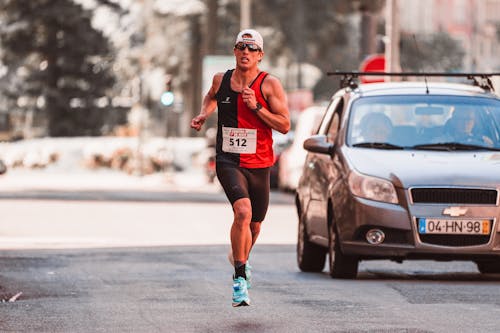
[{"x": 455, "y": 211}]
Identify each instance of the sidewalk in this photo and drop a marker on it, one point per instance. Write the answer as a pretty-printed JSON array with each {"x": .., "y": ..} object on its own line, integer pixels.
[
  {"x": 18, "y": 180},
  {"x": 70, "y": 172},
  {"x": 113, "y": 209}
]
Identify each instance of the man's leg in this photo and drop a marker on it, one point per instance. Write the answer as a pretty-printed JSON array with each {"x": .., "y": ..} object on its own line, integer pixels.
[
  {"x": 241, "y": 243},
  {"x": 241, "y": 232},
  {"x": 244, "y": 232},
  {"x": 258, "y": 182},
  {"x": 255, "y": 229},
  {"x": 235, "y": 185}
]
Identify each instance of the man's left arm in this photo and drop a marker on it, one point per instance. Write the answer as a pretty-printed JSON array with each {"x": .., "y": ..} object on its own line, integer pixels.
[{"x": 277, "y": 117}]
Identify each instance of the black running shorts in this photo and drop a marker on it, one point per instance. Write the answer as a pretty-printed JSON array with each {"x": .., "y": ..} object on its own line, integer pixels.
[{"x": 254, "y": 184}]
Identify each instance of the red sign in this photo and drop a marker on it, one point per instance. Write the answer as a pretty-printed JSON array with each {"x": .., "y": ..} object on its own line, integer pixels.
[{"x": 372, "y": 63}]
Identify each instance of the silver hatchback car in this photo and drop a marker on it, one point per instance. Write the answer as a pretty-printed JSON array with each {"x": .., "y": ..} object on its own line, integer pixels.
[{"x": 402, "y": 170}]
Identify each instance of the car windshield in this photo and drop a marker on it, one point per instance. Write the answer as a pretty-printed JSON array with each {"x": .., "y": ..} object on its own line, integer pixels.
[{"x": 425, "y": 122}]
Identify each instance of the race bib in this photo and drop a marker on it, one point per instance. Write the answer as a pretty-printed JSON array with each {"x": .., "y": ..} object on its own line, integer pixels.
[{"x": 239, "y": 140}]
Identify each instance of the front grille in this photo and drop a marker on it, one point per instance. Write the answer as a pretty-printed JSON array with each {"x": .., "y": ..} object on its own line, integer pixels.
[
  {"x": 454, "y": 196},
  {"x": 455, "y": 240}
]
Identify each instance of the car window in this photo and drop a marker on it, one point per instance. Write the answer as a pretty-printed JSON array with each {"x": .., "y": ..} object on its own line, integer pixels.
[
  {"x": 409, "y": 121},
  {"x": 334, "y": 127},
  {"x": 325, "y": 122}
]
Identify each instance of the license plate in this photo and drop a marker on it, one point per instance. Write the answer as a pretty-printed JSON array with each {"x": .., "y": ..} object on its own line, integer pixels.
[{"x": 453, "y": 227}]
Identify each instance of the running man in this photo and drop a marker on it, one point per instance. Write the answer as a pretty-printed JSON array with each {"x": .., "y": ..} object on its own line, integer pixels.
[{"x": 250, "y": 105}]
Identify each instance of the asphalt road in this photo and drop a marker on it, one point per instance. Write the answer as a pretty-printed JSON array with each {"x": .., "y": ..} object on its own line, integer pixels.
[
  {"x": 188, "y": 289},
  {"x": 115, "y": 261}
]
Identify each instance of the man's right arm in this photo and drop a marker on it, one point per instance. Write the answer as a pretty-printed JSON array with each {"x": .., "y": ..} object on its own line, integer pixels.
[{"x": 209, "y": 103}]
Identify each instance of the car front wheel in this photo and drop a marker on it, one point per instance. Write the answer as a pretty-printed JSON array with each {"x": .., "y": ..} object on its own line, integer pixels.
[
  {"x": 310, "y": 257},
  {"x": 341, "y": 265}
]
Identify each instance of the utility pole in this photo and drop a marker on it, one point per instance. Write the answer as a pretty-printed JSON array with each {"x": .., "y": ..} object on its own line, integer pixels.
[
  {"x": 473, "y": 51},
  {"x": 392, "y": 63},
  {"x": 299, "y": 39},
  {"x": 368, "y": 32},
  {"x": 210, "y": 34},
  {"x": 245, "y": 14},
  {"x": 193, "y": 91}
]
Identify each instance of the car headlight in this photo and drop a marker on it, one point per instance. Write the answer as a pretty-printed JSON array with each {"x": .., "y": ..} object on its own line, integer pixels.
[{"x": 372, "y": 188}]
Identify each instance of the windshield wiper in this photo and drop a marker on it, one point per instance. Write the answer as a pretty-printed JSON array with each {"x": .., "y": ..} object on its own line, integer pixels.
[
  {"x": 377, "y": 145},
  {"x": 449, "y": 146}
]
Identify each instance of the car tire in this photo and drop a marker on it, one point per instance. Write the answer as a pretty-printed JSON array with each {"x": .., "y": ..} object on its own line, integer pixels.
[
  {"x": 310, "y": 257},
  {"x": 488, "y": 267},
  {"x": 341, "y": 266}
]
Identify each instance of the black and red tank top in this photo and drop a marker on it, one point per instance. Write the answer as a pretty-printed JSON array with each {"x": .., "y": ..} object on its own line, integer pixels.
[{"x": 242, "y": 137}]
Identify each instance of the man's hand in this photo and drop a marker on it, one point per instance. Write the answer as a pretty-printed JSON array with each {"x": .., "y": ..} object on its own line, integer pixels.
[
  {"x": 198, "y": 121},
  {"x": 249, "y": 99}
]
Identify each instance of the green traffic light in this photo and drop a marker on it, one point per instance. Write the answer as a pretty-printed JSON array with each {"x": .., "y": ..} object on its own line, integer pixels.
[{"x": 167, "y": 98}]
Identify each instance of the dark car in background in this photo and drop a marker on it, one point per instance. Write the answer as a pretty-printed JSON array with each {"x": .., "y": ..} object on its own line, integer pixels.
[
  {"x": 402, "y": 170},
  {"x": 3, "y": 167},
  {"x": 280, "y": 143}
]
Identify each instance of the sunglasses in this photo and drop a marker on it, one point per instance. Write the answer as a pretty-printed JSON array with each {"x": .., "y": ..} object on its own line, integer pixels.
[{"x": 251, "y": 47}]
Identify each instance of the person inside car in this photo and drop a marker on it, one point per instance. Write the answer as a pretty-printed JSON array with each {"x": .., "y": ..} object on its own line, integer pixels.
[
  {"x": 376, "y": 127},
  {"x": 464, "y": 127}
]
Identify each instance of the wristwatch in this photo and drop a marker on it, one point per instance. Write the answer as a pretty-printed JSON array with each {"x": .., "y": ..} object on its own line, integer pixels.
[{"x": 257, "y": 108}]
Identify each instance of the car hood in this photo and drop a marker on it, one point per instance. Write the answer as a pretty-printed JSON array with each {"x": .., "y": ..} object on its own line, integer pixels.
[{"x": 427, "y": 168}]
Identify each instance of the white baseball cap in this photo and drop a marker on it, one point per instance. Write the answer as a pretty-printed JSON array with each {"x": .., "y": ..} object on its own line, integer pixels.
[{"x": 255, "y": 38}]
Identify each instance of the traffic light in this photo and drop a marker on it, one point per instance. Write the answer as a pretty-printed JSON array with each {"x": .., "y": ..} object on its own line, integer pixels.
[{"x": 167, "y": 97}]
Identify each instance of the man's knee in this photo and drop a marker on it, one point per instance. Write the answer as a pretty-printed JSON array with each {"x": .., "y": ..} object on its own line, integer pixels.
[{"x": 242, "y": 211}]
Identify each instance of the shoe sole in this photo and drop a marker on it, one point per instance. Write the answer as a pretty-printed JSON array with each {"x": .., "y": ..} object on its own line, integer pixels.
[{"x": 243, "y": 303}]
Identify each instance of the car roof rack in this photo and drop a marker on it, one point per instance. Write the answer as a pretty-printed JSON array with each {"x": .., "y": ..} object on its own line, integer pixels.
[{"x": 350, "y": 79}]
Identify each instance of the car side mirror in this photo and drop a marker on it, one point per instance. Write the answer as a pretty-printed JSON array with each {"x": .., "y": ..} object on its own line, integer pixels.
[
  {"x": 318, "y": 144},
  {"x": 3, "y": 168}
]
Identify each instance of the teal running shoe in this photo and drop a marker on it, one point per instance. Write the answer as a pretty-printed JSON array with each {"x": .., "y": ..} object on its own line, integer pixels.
[
  {"x": 240, "y": 292},
  {"x": 248, "y": 273}
]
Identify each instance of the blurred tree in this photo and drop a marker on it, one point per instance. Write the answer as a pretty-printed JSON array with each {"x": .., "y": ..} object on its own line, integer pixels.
[
  {"x": 435, "y": 52},
  {"x": 315, "y": 34},
  {"x": 57, "y": 63},
  {"x": 300, "y": 31},
  {"x": 318, "y": 32}
]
